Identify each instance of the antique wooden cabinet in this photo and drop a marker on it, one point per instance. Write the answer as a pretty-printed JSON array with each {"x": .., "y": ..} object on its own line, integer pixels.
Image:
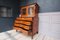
[{"x": 27, "y": 22}]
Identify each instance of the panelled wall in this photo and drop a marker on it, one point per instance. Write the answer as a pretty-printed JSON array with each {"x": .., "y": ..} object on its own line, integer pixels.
[{"x": 7, "y": 23}]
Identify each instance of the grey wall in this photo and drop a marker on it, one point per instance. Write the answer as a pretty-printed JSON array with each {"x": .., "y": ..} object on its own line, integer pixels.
[
  {"x": 22, "y": 3},
  {"x": 7, "y": 23},
  {"x": 49, "y": 5},
  {"x": 45, "y": 5}
]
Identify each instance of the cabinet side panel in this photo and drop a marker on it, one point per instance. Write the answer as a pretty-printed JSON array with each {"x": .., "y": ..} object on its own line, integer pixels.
[{"x": 35, "y": 25}]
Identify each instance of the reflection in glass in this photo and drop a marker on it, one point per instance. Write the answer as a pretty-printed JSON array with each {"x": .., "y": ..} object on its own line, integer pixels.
[
  {"x": 24, "y": 11},
  {"x": 30, "y": 11}
]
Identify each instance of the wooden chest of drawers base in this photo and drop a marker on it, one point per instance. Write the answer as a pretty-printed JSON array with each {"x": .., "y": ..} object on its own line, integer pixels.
[
  {"x": 24, "y": 31},
  {"x": 30, "y": 30}
]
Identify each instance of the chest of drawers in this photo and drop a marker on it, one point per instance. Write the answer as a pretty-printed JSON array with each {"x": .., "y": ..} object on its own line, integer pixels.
[{"x": 27, "y": 22}]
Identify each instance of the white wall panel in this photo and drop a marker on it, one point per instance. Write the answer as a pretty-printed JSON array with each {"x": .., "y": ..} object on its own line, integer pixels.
[{"x": 49, "y": 24}]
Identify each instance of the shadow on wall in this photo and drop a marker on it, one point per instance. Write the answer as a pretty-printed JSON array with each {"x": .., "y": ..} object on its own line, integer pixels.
[{"x": 6, "y": 24}]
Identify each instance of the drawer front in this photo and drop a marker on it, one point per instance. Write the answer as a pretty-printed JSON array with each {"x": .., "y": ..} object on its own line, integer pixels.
[
  {"x": 29, "y": 19},
  {"x": 26, "y": 23},
  {"x": 23, "y": 26},
  {"x": 26, "y": 27},
  {"x": 16, "y": 24},
  {"x": 16, "y": 28},
  {"x": 23, "y": 31},
  {"x": 23, "y": 22},
  {"x": 16, "y": 21},
  {"x": 26, "y": 32}
]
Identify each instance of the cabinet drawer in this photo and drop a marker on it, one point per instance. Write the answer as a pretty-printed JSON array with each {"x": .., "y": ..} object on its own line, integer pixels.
[
  {"x": 26, "y": 18},
  {"x": 25, "y": 27},
  {"x": 23, "y": 31},
  {"x": 16, "y": 21},
  {"x": 16, "y": 24},
  {"x": 25, "y": 22},
  {"x": 16, "y": 28}
]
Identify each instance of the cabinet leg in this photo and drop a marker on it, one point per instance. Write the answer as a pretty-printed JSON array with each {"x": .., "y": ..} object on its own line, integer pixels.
[
  {"x": 16, "y": 30},
  {"x": 32, "y": 38},
  {"x": 37, "y": 32}
]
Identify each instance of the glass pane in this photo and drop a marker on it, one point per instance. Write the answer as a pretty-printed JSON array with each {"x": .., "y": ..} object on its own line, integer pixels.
[
  {"x": 30, "y": 10},
  {"x": 24, "y": 11}
]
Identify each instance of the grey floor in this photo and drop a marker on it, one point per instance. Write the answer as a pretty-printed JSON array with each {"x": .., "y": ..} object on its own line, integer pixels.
[{"x": 13, "y": 35}]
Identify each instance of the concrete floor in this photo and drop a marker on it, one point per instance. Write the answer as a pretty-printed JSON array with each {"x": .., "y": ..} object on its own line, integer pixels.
[{"x": 13, "y": 35}]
